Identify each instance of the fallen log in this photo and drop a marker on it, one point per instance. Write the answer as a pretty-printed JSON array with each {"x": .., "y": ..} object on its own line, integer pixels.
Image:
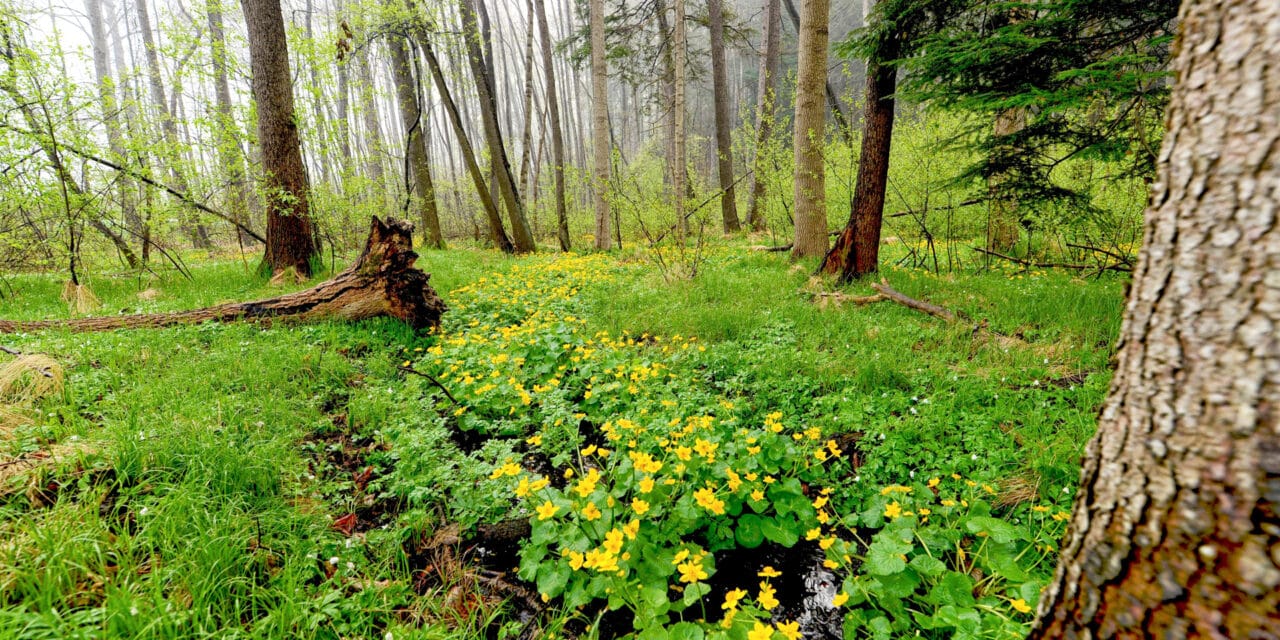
[
  {"x": 884, "y": 292},
  {"x": 382, "y": 282}
]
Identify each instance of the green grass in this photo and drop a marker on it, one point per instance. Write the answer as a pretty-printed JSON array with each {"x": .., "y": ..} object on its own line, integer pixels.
[{"x": 198, "y": 497}]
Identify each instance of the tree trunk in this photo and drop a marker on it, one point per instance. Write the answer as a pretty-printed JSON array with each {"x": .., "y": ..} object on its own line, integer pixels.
[
  {"x": 724, "y": 143},
  {"x": 496, "y": 231},
  {"x": 1176, "y": 529},
  {"x": 600, "y": 126},
  {"x": 810, "y": 129},
  {"x": 372, "y": 126},
  {"x": 199, "y": 235},
  {"x": 422, "y": 188},
  {"x": 857, "y": 249},
  {"x": 291, "y": 239},
  {"x": 557, "y": 130},
  {"x": 769, "y": 59},
  {"x": 678, "y": 163},
  {"x": 227, "y": 132},
  {"x": 382, "y": 282},
  {"x": 505, "y": 181},
  {"x": 842, "y": 123},
  {"x": 110, "y": 105}
]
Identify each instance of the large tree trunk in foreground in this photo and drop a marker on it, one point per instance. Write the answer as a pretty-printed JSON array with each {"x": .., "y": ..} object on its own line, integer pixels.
[
  {"x": 291, "y": 241},
  {"x": 1176, "y": 529},
  {"x": 810, "y": 130},
  {"x": 857, "y": 250},
  {"x": 382, "y": 282}
]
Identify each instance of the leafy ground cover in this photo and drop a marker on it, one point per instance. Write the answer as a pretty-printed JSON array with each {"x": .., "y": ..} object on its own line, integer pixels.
[{"x": 715, "y": 458}]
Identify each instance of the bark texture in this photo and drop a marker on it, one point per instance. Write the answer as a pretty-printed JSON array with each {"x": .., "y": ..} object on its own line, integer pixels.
[
  {"x": 724, "y": 142},
  {"x": 810, "y": 130},
  {"x": 291, "y": 239},
  {"x": 227, "y": 133},
  {"x": 857, "y": 249},
  {"x": 382, "y": 282},
  {"x": 1002, "y": 221},
  {"x": 600, "y": 126},
  {"x": 679, "y": 177},
  {"x": 1176, "y": 530},
  {"x": 767, "y": 92}
]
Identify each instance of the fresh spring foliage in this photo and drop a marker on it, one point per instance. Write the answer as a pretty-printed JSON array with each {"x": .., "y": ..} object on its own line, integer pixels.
[{"x": 180, "y": 503}]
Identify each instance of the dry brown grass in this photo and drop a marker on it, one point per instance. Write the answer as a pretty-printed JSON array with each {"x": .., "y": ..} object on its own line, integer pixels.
[{"x": 79, "y": 298}]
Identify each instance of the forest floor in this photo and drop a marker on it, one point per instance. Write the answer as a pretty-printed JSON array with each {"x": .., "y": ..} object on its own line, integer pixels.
[{"x": 315, "y": 482}]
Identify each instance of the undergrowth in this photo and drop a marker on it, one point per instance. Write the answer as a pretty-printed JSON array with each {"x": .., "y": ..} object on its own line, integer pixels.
[{"x": 235, "y": 481}]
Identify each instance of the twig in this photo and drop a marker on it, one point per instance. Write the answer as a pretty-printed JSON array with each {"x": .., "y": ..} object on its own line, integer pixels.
[
  {"x": 903, "y": 214},
  {"x": 1054, "y": 265},
  {"x": 785, "y": 247},
  {"x": 1125, "y": 259},
  {"x": 12, "y": 352},
  {"x": 890, "y": 293},
  {"x": 431, "y": 379}
]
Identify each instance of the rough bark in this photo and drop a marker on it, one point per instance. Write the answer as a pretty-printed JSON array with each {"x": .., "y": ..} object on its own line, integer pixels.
[
  {"x": 1176, "y": 529},
  {"x": 724, "y": 142},
  {"x": 503, "y": 177},
  {"x": 600, "y": 127},
  {"x": 496, "y": 230},
  {"x": 857, "y": 249},
  {"x": 769, "y": 60},
  {"x": 372, "y": 126},
  {"x": 415, "y": 142},
  {"x": 291, "y": 239},
  {"x": 382, "y": 282},
  {"x": 557, "y": 130},
  {"x": 810, "y": 129}
]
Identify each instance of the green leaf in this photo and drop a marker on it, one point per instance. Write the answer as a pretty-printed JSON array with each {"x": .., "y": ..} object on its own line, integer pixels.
[
  {"x": 955, "y": 588},
  {"x": 928, "y": 565},
  {"x": 999, "y": 530},
  {"x": 695, "y": 591},
  {"x": 553, "y": 579},
  {"x": 885, "y": 556},
  {"x": 778, "y": 531},
  {"x": 748, "y": 532},
  {"x": 685, "y": 631}
]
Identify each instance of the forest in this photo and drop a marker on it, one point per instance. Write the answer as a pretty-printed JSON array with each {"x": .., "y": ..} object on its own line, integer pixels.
[{"x": 652, "y": 319}]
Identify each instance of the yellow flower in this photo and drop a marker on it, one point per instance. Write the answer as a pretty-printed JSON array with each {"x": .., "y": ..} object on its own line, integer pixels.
[
  {"x": 769, "y": 572},
  {"x": 760, "y": 631},
  {"x": 692, "y": 571},
  {"x": 790, "y": 629},
  {"x": 830, "y": 564},
  {"x": 631, "y": 529},
  {"x": 591, "y": 512},
  {"x": 680, "y": 556},
  {"x": 684, "y": 453},
  {"x": 640, "y": 506},
  {"x": 826, "y": 543},
  {"x": 933, "y": 482},
  {"x": 1020, "y": 606},
  {"x": 766, "y": 598},
  {"x": 840, "y": 599},
  {"x": 823, "y": 517},
  {"x": 613, "y": 541},
  {"x": 893, "y": 510},
  {"x": 894, "y": 488},
  {"x": 575, "y": 560},
  {"x": 546, "y": 510},
  {"x": 735, "y": 480},
  {"x": 820, "y": 502},
  {"x": 706, "y": 498},
  {"x": 731, "y": 599},
  {"x": 535, "y": 440},
  {"x": 757, "y": 495},
  {"x": 588, "y": 451},
  {"x": 813, "y": 534},
  {"x": 646, "y": 485}
]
